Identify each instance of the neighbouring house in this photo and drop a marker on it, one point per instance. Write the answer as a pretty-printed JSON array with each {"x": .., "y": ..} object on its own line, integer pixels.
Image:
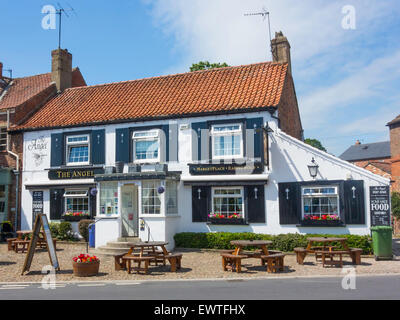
[
  {"x": 394, "y": 127},
  {"x": 374, "y": 157},
  {"x": 204, "y": 151},
  {"x": 20, "y": 98}
]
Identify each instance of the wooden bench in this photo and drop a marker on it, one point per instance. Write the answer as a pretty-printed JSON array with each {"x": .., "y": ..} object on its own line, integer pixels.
[
  {"x": 355, "y": 254},
  {"x": 119, "y": 263},
  {"x": 175, "y": 260},
  {"x": 158, "y": 257},
  {"x": 10, "y": 243},
  {"x": 232, "y": 262},
  {"x": 328, "y": 257},
  {"x": 21, "y": 245},
  {"x": 274, "y": 262},
  {"x": 128, "y": 259},
  {"x": 300, "y": 254}
]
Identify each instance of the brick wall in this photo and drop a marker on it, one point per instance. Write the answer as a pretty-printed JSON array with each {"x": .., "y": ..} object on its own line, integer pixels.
[
  {"x": 288, "y": 110},
  {"x": 395, "y": 140},
  {"x": 396, "y": 174}
]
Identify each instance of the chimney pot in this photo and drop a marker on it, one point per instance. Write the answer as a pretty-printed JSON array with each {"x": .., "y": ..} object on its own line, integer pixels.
[
  {"x": 358, "y": 142},
  {"x": 281, "y": 50},
  {"x": 61, "y": 69}
]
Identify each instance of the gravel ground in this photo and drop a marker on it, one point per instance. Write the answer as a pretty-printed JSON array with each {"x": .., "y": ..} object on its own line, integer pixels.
[{"x": 196, "y": 264}]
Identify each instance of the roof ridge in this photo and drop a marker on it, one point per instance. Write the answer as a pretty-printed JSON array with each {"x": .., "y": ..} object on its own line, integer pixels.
[{"x": 178, "y": 74}]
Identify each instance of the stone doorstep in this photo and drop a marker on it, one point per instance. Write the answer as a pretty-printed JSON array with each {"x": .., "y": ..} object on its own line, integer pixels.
[{"x": 110, "y": 251}]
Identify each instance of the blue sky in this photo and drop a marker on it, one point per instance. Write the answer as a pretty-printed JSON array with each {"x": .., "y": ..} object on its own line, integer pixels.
[{"x": 347, "y": 81}]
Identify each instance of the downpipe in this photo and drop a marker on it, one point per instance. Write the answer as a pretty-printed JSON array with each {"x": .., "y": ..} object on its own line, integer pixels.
[{"x": 16, "y": 172}]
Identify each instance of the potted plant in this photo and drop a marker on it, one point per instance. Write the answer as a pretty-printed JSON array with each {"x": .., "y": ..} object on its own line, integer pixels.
[
  {"x": 218, "y": 218},
  {"x": 328, "y": 220},
  {"x": 75, "y": 216},
  {"x": 85, "y": 265}
]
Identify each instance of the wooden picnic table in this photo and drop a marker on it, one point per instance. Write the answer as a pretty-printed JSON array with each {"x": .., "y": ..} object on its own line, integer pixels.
[
  {"x": 261, "y": 244},
  {"x": 151, "y": 247},
  {"x": 149, "y": 252},
  {"x": 328, "y": 249},
  {"x": 327, "y": 243},
  {"x": 22, "y": 234}
]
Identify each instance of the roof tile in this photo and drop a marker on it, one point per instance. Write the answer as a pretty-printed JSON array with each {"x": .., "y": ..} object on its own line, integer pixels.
[{"x": 217, "y": 90}]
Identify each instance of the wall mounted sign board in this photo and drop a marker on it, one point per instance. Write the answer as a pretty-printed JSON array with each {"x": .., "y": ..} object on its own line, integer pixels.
[
  {"x": 74, "y": 173},
  {"x": 232, "y": 168},
  {"x": 380, "y": 205}
]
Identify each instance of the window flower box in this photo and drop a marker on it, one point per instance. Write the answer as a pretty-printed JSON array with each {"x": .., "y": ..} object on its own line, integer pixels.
[
  {"x": 234, "y": 219},
  {"x": 75, "y": 216},
  {"x": 322, "y": 221}
]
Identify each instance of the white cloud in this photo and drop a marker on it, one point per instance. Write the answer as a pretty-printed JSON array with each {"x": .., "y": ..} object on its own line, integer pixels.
[{"x": 336, "y": 71}]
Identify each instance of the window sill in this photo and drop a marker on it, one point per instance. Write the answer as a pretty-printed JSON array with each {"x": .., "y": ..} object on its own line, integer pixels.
[
  {"x": 114, "y": 216},
  {"x": 321, "y": 223},
  {"x": 224, "y": 221}
]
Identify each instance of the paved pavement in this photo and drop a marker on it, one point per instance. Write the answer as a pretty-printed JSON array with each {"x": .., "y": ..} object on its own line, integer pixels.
[{"x": 367, "y": 287}]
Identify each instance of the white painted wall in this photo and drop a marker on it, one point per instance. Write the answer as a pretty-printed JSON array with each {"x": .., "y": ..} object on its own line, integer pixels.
[{"x": 288, "y": 162}]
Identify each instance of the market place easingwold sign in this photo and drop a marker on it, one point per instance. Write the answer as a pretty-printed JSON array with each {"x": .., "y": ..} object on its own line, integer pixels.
[
  {"x": 232, "y": 168},
  {"x": 79, "y": 173},
  {"x": 379, "y": 205}
]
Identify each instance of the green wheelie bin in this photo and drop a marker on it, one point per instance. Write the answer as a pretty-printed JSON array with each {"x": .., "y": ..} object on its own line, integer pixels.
[{"x": 382, "y": 242}]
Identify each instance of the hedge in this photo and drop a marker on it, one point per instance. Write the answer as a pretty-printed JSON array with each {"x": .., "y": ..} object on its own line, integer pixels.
[{"x": 283, "y": 242}]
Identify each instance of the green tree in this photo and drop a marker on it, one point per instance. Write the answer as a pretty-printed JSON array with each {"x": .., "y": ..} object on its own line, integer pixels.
[
  {"x": 396, "y": 204},
  {"x": 205, "y": 65},
  {"x": 315, "y": 143}
]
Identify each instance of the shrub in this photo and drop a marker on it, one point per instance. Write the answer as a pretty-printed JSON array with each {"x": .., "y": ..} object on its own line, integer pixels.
[
  {"x": 6, "y": 226},
  {"x": 283, "y": 242},
  {"x": 83, "y": 227},
  {"x": 65, "y": 231},
  {"x": 396, "y": 204},
  {"x": 54, "y": 229}
]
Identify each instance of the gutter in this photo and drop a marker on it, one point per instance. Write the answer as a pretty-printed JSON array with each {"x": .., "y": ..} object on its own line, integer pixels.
[{"x": 16, "y": 172}]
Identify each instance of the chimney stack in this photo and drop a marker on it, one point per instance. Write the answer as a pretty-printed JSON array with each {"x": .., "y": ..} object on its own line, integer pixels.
[
  {"x": 281, "y": 50},
  {"x": 1, "y": 70},
  {"x": 61, "y": 69}
]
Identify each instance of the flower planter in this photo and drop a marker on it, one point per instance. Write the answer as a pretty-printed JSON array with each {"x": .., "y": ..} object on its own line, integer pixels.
[
  {"x": 75, "y": 218},
  {"x": 234, "y": 221},
  {"x": 86, "y": 269},
  {"x": 322, "y": 223}
]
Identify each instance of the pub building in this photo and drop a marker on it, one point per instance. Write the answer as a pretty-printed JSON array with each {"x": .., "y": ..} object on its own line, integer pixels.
[{"x": 205, "y": 151}]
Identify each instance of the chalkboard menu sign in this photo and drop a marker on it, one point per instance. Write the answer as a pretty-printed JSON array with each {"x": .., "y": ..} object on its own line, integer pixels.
[
  {"x": 41, "y": 221},
  {"x": 37, "y": 204},
  {"x": 379, "y": 205}
]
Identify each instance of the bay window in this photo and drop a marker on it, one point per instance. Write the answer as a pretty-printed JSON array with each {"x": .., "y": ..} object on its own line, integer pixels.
[
  {"x": 77, "y": 149},
  {"x": 227, "y": 141},
  {"x": 320, "y": 203},
  {"x": 146, "y": 146},
  {"x": 227, "y": 202},
  {"x": 151, "y": 203}
]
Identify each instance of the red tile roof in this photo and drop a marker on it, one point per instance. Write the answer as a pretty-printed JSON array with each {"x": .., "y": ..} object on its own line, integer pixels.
[
  {"x": 21, "y": 90},
  {"x": 394, "y": 121},
  {"x": 231, "y": 89}
]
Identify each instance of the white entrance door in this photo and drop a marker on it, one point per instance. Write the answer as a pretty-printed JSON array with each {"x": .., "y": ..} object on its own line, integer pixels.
[{"x": 129, "y": 210}]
